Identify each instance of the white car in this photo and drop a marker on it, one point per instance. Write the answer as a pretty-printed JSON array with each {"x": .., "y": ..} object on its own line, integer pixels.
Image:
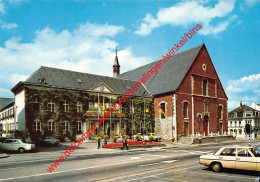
[
  {"x": 16, "y": 145},
  {"x": 235, "y": 157},
  {"x": 156, "y": 138}
]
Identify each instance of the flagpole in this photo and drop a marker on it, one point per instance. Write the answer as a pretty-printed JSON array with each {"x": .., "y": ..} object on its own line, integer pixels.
[
  {"x": 110, "y": 119},
  {"x": 98, "y": 108},
  {"x": 103, "y": 115},
  {"x": 120, "y": 124},
  {"x": 132, "y": 120},
  {"x": 144, "y": 118}
]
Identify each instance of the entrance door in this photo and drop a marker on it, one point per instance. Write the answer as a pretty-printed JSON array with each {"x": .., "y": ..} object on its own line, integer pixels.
[
  {"x": 205, "y": 124},
  {"x": 186, "y": 129}
]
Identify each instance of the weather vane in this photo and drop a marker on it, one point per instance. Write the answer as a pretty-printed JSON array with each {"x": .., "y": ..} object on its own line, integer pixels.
[{"x": 116, "y": 50}]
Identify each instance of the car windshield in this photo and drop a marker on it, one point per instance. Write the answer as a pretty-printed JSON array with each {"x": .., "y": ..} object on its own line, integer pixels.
[
  {"x": 217, "y": 151},
  {"x": 255, "y": 151}
]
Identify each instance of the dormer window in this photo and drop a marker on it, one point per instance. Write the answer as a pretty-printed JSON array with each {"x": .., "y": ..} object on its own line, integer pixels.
[
  {"x": 42, "y": 80},
  {"x": 79, "y": 80}
]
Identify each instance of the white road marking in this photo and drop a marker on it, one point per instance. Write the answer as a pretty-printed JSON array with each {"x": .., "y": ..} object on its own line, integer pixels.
[
  {"x": 44, "y": 174},
  {"x": 133, "y": 158},
  {"x": 149, "y": 164},
  {"x": 171, "y": 161},
  {"x": 156, "y": 155}
]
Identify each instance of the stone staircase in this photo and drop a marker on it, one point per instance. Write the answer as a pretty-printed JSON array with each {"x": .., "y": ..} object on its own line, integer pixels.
[{"x": 186, "y": 140}]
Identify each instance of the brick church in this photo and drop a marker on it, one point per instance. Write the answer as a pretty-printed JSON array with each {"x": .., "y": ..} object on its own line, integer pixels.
[{"x": 187, "y": 92}]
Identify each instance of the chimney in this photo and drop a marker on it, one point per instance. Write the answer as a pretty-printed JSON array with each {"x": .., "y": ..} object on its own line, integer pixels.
[{"x": 241, "y": 104}]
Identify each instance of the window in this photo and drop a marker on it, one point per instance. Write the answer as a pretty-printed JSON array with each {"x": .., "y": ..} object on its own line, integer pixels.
[
  {"x": 229, "y": 152},
  {"x": 113, "y": 126},
  {"x": 243, "y": 153},
  {"x": 206, "y": 106},
  {"x": 205, "y": 87},
  {"x": 37, "y": 125},
  {"x": 79, "y": 125},
  {"x": 90, "y": 104},
  {"x": 79, "y": 106},
  {"x": 65, "y": 125},
  {"x": 248, "y": 115},
  {"x": 185, "y": 110},
  {"x": 36, "y": 105},
  {"x": 162, "y": 110},
  {"x": 51, "y": 126},
  {"x": 51, "y": 106},
  {"x": 66, "y": 106},
  {"x": 220, "y": 112}
]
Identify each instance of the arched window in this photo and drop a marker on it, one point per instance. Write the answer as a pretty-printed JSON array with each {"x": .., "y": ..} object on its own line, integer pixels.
[
  {"x": 205, "y": 87},
  {"x": 185, "y": 110},
  {"x": 162, "y": 110}
]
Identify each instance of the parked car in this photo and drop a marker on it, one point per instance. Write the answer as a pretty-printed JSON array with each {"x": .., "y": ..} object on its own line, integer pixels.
[
  {"x": 2, "y": 139},
  {"x": 156, "y": 138},
  {"x": 236, "y": 157},
  {"x": 16, "y": 145},
  {"x": 51, "y": 140}
]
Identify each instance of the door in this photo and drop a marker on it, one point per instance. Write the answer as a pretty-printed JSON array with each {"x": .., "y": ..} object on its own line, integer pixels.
[
  {"x": 228, "y": 158},
  {"x": 245, "y": 160},
  {"x": 205, "y": 124},
  {"x": 186, "y": 129}
]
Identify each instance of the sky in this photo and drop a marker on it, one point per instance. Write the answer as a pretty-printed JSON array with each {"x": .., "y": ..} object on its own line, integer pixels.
[{"x": 82, "y": 35}]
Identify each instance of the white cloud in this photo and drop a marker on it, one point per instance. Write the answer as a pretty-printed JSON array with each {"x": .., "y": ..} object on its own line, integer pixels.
[
  {"x": 89, "y": 48},
  {"x": 251, "y": 2},
  {"x": 245, "y": 89},
  {"x": 189, "y": 12},
  {"x": 2, "y": 9},
  {"x": 9, "y": 26}
]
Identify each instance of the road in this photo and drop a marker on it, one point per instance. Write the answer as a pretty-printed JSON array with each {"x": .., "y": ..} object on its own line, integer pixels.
[{"x": 155, "y": 164}]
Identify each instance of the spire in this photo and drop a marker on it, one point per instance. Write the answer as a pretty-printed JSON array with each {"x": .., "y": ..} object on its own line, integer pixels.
[{"x": 116, "y": 66}]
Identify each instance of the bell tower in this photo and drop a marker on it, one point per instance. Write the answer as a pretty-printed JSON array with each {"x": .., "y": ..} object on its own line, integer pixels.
[{"x": 116, "y": 66}]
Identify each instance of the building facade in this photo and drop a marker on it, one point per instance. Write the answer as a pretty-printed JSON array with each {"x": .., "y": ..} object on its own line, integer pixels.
[
  {"x": 183, "y": 96},
  {"x": 239, "y": 117},
  {"x": 189, "y": 99}
]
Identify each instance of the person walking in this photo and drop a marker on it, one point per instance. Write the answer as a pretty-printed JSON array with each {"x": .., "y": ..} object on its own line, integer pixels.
[
  {"x": 124, "y": 143},
  {"x": 99, "y": 142}
]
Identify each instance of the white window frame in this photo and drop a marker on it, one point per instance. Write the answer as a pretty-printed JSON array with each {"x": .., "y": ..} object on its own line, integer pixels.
[
  {"x": 184, "y": 110},
  {"x": 79, "y": 107},
  {"x": 66, "y": 106},
  {"x": 66, "y": 125},
  {"x": 51, "y": 126},
  {"x": 52, "y": 106},
  {"x": 165, "y": 112},
  {"x": 37, "y": 124},
  {"x": 207, "y": 87},
  {"x": 79, "y": 127}
]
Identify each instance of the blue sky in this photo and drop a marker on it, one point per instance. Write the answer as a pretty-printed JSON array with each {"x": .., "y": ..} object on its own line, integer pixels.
[{"x": 81, "y": 35}]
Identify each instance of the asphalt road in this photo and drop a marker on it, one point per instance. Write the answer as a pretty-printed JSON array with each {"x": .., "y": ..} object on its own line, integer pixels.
[{"x": 164, "y": 164}]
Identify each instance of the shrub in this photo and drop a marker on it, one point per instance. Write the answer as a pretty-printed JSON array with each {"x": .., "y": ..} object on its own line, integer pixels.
[
  {"x": 123, "y": 132},
  {"x": 138, "y": 137},
  {"x": 126, "y": 136},
  {"x": 114, "y": 138},
  {"x": 151, "y": 138}
]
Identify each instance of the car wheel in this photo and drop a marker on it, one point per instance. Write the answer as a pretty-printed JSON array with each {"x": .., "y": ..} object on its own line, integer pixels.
[
  {"x": 21, "y": 150},
  {"x": 216, "y": 167}
]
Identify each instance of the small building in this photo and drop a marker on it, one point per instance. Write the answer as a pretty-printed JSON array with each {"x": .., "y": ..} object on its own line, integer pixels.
[
  {"x": 239, "y": 117},
  {"x": 7, "y": 120}
]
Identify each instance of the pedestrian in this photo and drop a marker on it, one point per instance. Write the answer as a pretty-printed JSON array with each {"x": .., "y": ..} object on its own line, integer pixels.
[
  {"x": 173, "y": 138},
  {"x": 125, "y": 143},
  {"x": 99, "y": 142}
]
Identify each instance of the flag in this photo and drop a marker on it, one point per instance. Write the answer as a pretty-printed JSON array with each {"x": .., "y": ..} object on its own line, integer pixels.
[
  {"x": 133, "y": 107},
  {"x": 99, "y": 108},
  {"x": 146, "y": 109},
  {"x": 161, "y": 111},
  {"x": 103, "y": 106},
  {"x": 120, "y": 113}
]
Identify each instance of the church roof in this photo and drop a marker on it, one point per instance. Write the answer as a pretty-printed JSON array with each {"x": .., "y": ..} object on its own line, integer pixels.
[
  {"x": 60, "y": 78},
  {"x": 170, "y": 75}
]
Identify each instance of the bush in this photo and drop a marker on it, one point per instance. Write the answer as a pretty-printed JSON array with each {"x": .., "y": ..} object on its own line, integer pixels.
[
  {"x": 123, "y": 132},
  {"x": 114, "y": 138},
  {"x": 126, "y": 136},
  {"x": 138, "y": 137},
  {"x": 151, "y": 138}
]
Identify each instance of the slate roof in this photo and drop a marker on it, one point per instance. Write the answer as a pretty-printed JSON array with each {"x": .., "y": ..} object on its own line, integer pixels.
[
  {"x": 170, "y": 75},
  {"x": 4, "y": 102},
  {"x": 242, "y": 109},
  {"x": 61, "y": 78}
]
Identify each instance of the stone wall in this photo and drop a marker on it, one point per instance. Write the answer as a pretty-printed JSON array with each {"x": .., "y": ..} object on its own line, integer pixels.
[{"x": 163, "y": 128}]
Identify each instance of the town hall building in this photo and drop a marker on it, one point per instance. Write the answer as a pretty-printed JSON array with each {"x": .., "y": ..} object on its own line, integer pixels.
[{"x": 186, "y": 98}]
